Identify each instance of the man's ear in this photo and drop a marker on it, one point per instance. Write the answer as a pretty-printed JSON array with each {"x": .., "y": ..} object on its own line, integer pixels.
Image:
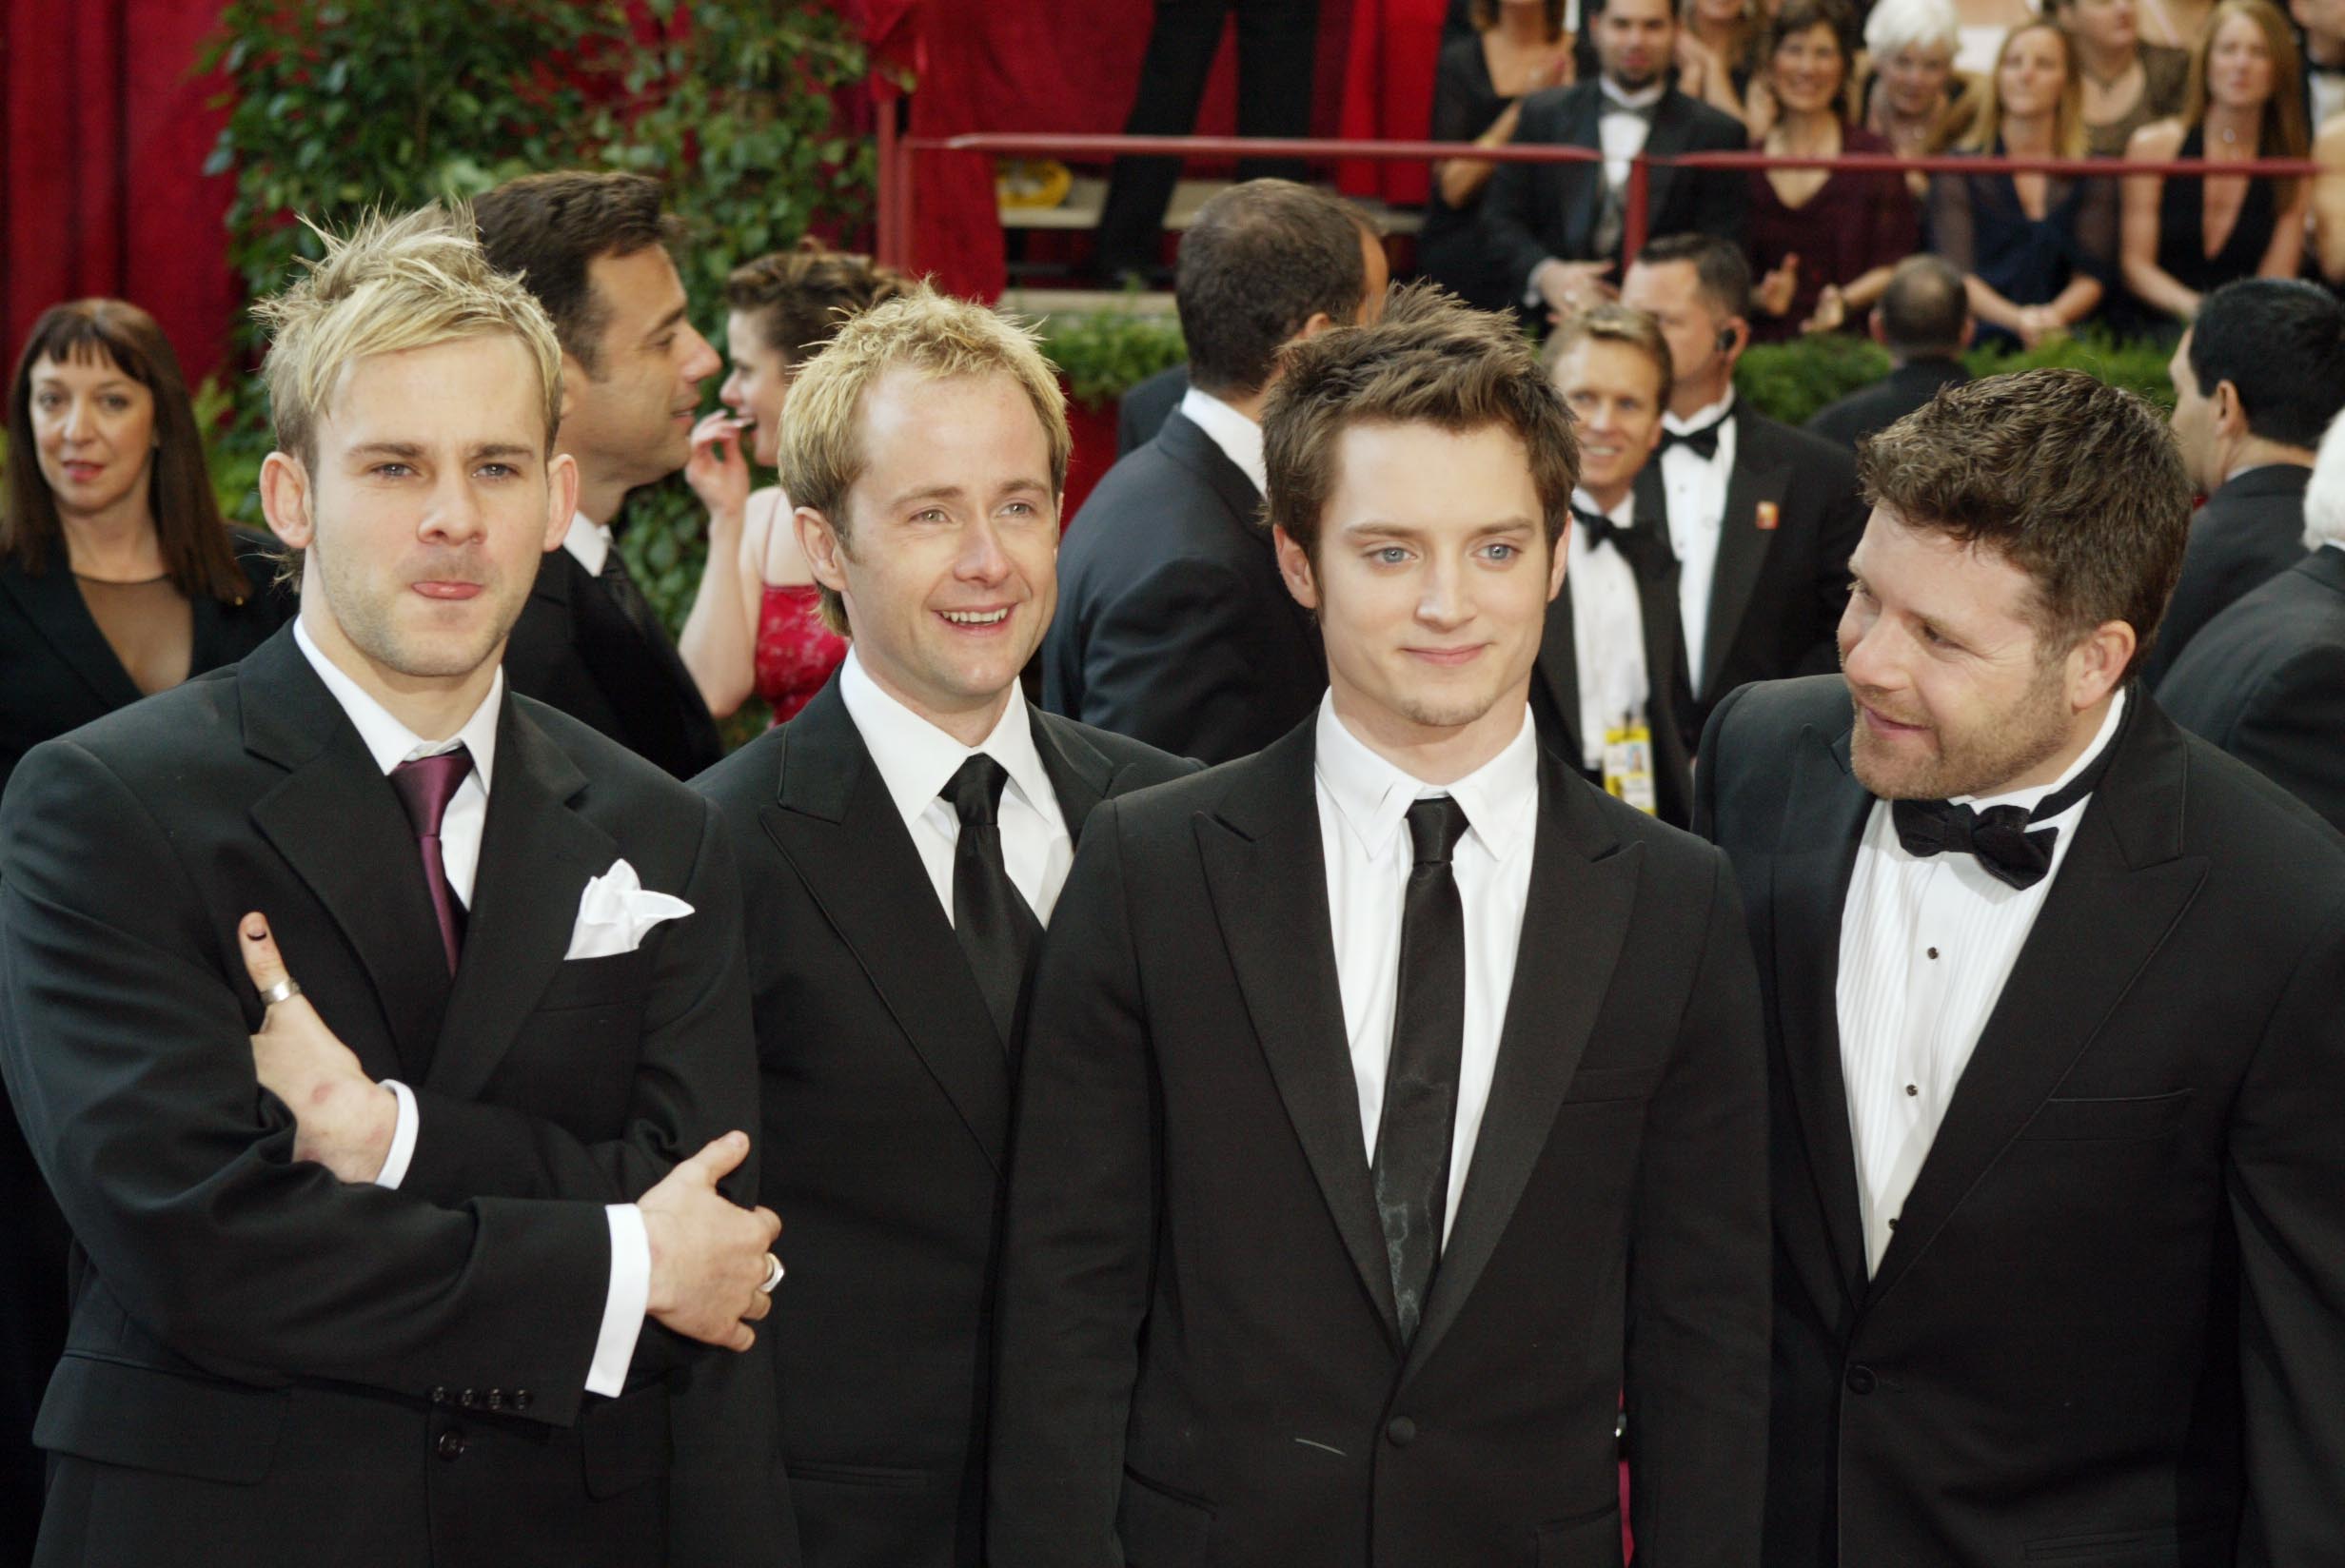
[
  {"x": 286, "y": 501},
  {"x": 825, "y": 551},
  {"x": 1320, "y": 321},
  {"x": 2099, "y": 662},
  {"x": 2229, "y": 413},
  {"x": 1295, "y": 565},
  {"x": 573, "y": 377},
  {"x": 561, "y": 499},
  {"x": 1561, "y": 549},
  {"x": 1875, "y": 330}
]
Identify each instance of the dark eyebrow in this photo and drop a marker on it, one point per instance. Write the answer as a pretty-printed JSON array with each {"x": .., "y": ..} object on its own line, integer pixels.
[{"x": 664, "y": 323}]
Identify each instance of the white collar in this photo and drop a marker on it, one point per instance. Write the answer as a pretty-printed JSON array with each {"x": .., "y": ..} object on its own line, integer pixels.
[
  {"x": 1500, "y": 799},
  {"x": 1701, "y": 417},
  {"x": 1238, "y": 437},
  {"x": 1622, "y": 514},
  {"x": 590, "y": 541},
  {"x": 1642, "y": 98},
  {"x": 917, "y": 760},
  {"x": 2026, "y": 799},
  {"x": 388, "y": 741}
]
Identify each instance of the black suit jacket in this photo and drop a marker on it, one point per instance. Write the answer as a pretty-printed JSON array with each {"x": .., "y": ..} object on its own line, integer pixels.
[
  {"x": 1198, "y": 1353},
  {"x": 1174, "y": 626},
  {"x": 1885, "y": 403},
  {"x": 1142, "y": 410},
  {"x": 887, "y": 1124},
  {"x": 267, "y": 1365},
  {"x": 1776, "y": 593},
  {"x": 2109, "y": 1328},
  {"x": 1555, "y": 687},
  {"x": 2247, "y": 533},
  {"x": 1533, "y": 211},
  {"x": 2265, "y": 680},
  {"x": 572, "y": 648}
]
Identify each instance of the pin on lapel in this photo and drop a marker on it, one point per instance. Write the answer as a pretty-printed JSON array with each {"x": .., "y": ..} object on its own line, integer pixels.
[{"x": 1769, "y": 515}]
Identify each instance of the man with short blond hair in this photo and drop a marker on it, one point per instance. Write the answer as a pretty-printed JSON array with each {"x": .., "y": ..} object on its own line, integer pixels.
[
  {"x": 902, "y": 842},
  {"x": 380, "y": 1031}
]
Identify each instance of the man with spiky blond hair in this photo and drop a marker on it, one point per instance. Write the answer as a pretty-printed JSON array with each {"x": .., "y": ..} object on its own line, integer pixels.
[
  {"x": 382, "y": 1034},
  {"x": 901, "y": 844}
]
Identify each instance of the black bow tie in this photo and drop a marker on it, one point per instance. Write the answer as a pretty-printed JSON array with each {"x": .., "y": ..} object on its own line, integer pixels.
[
  {"x": 1704, "y": 441},
  {"x": 2004, "y": 838},
  {"x": 1640, "y": 547}
]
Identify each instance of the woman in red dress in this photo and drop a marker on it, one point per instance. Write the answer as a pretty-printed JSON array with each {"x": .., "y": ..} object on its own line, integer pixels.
[{"x": 754, "y": 624}]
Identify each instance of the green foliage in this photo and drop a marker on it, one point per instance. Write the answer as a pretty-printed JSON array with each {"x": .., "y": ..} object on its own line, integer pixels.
[
  {"x": 1104, "y": 355},
  {"x": 347, "y": 105},
  {"x": 1791, "y": 380},
  {"x": 2135, "y": 364}
]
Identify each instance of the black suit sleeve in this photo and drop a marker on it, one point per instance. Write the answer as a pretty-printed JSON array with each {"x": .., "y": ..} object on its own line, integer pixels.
[
  {"x": 1699, "y": 1260},
  {"x": 1514, "y": 223},
  {"x": 1079, "y": 1232},
  {"x": 1177, "y": 661},
  {"x": 2287, "y": 1187},
  {"x": 2288, "y": 729},
  {"x": 129, "y": 1055}
]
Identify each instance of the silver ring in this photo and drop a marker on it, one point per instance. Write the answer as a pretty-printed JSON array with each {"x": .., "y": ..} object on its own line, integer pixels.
[
  {"x": 773, "y": 1274},
  {"x": 283, "y": 991}
]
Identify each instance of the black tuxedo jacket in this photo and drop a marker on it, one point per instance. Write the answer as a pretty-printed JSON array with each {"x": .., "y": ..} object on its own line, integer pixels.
[
  {"x": 270, "y": 1366},
  {"x": 2265, "y": 680},
  {"x": 1776, "y": 593},
  {"x": 1533, "y": 211},
  {"x": 572, "y": 648},
  {"x": 887, "y": 1123},
  {"x": 1174, "y": 626},
  {"x": 1555, "y": 687},
  {"x": 1142, "y": 410},
  {"x": 2111, "y": 1328},
  {"x": 2246, "y": 534},
  {"x": 1885, "y": 403},
  {"x": 1198, "y": 1356}
]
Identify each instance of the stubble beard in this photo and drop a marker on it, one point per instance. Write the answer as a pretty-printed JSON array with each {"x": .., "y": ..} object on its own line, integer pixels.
[{"x": 1974, "y": 762}]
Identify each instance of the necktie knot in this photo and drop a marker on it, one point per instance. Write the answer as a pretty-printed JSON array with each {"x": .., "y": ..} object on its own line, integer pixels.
[
  {"x": 974, "y": 791},
  {"x": 427, "y": 784},
  {"x": 1435, "y": 825}
]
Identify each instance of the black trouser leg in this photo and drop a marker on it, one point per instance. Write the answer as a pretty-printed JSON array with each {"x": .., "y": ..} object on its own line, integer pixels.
[
  {"x": 1277, "y": 53},
  {"x": 1172, "y": 73}
]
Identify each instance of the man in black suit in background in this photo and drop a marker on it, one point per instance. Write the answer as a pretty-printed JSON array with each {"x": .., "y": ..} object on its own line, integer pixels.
[
  {"x": 593, "y": 248},
  {"x": 1761, "y": 516},
  {"x": 2256, "y": 379},
  {"x": 2265, "y": 678},
  {"x": 1173, "y": 627},
  {"x": 1141, "y": 412},
  {"x": 399, "y": 1278},
  {"x": 2052, "y": 999},
  {"x": 902, "y": 840},
  {"x": 1560, "y": 225},
  {"x": 1923, "y": 321},
  {"x": 1360, "y": 1071}
]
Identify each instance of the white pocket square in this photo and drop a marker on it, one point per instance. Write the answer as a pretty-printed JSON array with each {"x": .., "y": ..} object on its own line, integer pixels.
[{"x": 616, "y": 911}]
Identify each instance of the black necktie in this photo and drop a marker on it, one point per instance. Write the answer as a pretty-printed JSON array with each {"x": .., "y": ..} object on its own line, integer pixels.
[
  {"x": 1704, "y": 441},
  {"x": 1420, "y": 1085},
  {"x": 1645, "y": 551},
  {"x": 619, "y": 583},
  {"x": 995, "y": 928},
  {"x": 2004, "y": 838}
]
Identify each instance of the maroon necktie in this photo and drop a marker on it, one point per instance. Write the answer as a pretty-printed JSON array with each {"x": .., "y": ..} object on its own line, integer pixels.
[{"x": 425, "y": 786}]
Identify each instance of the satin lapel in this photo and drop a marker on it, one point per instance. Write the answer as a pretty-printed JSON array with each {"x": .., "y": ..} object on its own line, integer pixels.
[
  {"x": 337, "y": 822},
  {"x": 1672, "y": 124},
  {"x": 2116, "y": 896},
  {"x": 1559, "y": 670},
  {"x": 1811, "y": 870},
  {"x": 536, "y": 855},
  {"x": 1268, "y": 879},
  {"x": 53, "y": 605},
  {"x": 835, "y": 823},
  {"x": 1580, "y": 185},
  {"x": 1742, "y": 543},
  {"x": 1582, "y": 885},
  {"x": 1081, "y": 776}
]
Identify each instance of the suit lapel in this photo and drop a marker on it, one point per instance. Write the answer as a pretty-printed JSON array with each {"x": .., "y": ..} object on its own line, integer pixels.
[
  {"x": 836, "y": 824},
  {"x": 53, "y": 604},
  {"x": 2118, "y": 894},
  {"x": 1574, "y": 920},
  {"x": 1559, "y": 670},
  {"x": 1579, "y": 187},
  {"x": 1268, "y": 880},
  {"x": 1811, "y": 870},
  {"x": 536, "y": 855},
  {"x": 1081, "y": 774},
  {"x": 337, "y": 822},
  {"x": 1757, "y": 476},
  {"x": 1672, "y": 126}
]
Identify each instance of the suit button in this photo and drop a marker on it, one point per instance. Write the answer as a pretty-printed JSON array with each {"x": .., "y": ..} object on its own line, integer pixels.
[
  {"x": 1860, "y": 1380},
  {"x": 451, "y": 1446},
  {"x": 520, "y": 1399},
  {"x": 439, "y": 1396},
  {"x": 467, "y": 1399},
  {"x": 1401, "y": 1431},
  {"x": 496, "y": 1399}
]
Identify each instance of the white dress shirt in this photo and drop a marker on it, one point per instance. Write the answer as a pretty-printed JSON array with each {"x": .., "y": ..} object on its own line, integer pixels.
[
  {"x": 1239, "y": 438},
  {"x": 590, "y": 541},
  {"x": 1364, "y": 802},
  {"x": 917, "y": 760},
  {"x": 1925, "y": 948},
  {"x": 1607, "y": 630},
  {"x": 1697, "y": 492},
  {"x": 1621, "y": 129},
  {"x": 390, "y": 743}
]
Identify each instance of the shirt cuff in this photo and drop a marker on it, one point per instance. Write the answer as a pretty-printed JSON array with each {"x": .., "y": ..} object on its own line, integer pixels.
[
  {"x": 403, "y": 1137},
  {"x": 623, "y": 1307}
]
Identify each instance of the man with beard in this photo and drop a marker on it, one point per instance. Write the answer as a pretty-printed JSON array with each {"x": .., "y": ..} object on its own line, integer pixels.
[
  {"x": 2052, "y": 993},
  {"x": 1560, "y": 225}
]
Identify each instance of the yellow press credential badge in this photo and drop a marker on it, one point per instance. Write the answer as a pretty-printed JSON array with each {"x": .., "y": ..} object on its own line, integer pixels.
[{"x": 1628, "y": 764}]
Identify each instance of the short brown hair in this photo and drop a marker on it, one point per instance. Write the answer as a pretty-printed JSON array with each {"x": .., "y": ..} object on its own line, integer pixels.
[
  {"x": 800, "y": 299},
  {"x": 194, "y": 542},
  {"x": 550, "y": 228},
  {"x": 1258, "y": 262},
  {"x": 1610, "y": 323},
  {"x": 1431, "y": 360},
  {"x": 2078, "y": 483},
  {"x": 932, "y": 334}
]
